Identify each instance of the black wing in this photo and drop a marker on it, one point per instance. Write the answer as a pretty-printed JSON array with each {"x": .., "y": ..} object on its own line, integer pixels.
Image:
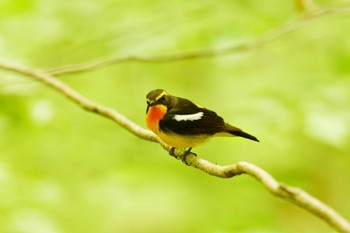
[{"x": 209, "y": 122}]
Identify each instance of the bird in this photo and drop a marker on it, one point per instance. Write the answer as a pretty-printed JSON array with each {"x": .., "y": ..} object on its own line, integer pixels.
[{"x": 180, "y": 123}]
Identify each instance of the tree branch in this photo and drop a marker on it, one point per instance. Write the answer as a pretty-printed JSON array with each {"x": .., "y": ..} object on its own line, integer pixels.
[
  {"x": 82, "y": 101},
  {"x": 292, "y": 194},
  {"x": 265, "y": 39}
]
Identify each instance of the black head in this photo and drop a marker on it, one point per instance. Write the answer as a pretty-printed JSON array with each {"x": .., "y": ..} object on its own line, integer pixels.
[{"x": 158, "y": 96}]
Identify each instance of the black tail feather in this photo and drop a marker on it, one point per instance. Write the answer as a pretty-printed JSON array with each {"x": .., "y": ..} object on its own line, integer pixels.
[{"x": 243, "y": 134}]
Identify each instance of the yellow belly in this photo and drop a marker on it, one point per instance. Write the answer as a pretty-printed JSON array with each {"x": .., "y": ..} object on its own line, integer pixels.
[{"x": 182, "y": 141}]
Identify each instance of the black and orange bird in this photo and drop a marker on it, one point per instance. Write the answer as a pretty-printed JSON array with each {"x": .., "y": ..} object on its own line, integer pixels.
[{"x": 180, "y": 123}]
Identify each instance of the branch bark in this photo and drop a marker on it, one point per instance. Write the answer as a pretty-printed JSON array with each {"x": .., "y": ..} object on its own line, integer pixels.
[{"x": 292, "y": 194}]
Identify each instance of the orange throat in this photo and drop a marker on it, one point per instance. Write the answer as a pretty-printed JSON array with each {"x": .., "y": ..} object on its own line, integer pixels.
[{"x": 154, "y": 115}]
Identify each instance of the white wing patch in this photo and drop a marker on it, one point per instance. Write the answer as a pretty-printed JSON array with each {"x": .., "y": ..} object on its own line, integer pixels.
[{"x": 188, "y": 117}]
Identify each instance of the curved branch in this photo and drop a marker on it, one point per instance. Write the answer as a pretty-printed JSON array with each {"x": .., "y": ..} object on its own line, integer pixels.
[
  {"x": 265, "y": 39},
  {"x": 295, "y": 195}
]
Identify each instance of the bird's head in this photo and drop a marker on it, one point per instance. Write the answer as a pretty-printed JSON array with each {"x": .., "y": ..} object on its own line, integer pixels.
[{"x": 157, "y": 97}]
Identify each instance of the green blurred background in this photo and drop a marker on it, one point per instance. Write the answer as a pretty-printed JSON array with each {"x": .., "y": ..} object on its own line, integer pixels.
[{"x": 64, "y": 170}]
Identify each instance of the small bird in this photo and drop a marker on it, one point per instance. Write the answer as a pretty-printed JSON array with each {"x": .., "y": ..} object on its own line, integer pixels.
[{"x": 181, "y": 123}]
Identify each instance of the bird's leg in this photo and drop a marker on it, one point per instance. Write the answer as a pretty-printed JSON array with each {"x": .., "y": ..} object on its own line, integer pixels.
[{"x": 188, "y": 151}]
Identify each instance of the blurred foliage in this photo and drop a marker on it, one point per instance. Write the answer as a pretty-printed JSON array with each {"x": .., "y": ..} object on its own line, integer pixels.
[{"x": 65, "y": 170}]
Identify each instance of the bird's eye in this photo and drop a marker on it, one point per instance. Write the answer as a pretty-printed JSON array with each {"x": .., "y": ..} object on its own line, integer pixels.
[{"x": 162, "y": 100}]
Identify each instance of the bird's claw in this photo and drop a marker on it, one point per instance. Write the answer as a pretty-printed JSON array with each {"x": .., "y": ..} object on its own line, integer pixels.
[
  {"x": 172, "y": 151},
  {"x": 184, "y": 156}
]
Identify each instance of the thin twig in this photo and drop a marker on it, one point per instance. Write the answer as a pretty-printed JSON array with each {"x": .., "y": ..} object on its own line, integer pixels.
[
  {"x": 295, "y": 195},
  {"x": 267, "y": 38}
]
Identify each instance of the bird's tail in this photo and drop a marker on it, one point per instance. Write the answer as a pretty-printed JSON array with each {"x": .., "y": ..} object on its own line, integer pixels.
[
  {"x": 240, "y": 133},
  {"x": 244, "y": 135}
]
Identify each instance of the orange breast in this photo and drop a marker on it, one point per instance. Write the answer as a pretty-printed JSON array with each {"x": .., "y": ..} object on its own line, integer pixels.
[{"x": 154, "y": 115}]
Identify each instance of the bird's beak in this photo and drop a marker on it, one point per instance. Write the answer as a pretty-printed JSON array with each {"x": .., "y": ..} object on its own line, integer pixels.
[{"x": 149, "y": 104}]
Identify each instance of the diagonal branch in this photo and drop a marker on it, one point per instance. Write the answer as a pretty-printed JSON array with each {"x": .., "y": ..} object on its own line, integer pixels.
[
  {"x": 82, "y": 101},
  {"x": 265, "y": 39},
  {"x": 292, "y": 194}
]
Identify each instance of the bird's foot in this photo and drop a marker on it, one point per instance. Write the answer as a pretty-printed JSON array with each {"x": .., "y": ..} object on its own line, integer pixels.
[
  {"x": 184, "y": 156},
  {"x": 172, "y": 151}
]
